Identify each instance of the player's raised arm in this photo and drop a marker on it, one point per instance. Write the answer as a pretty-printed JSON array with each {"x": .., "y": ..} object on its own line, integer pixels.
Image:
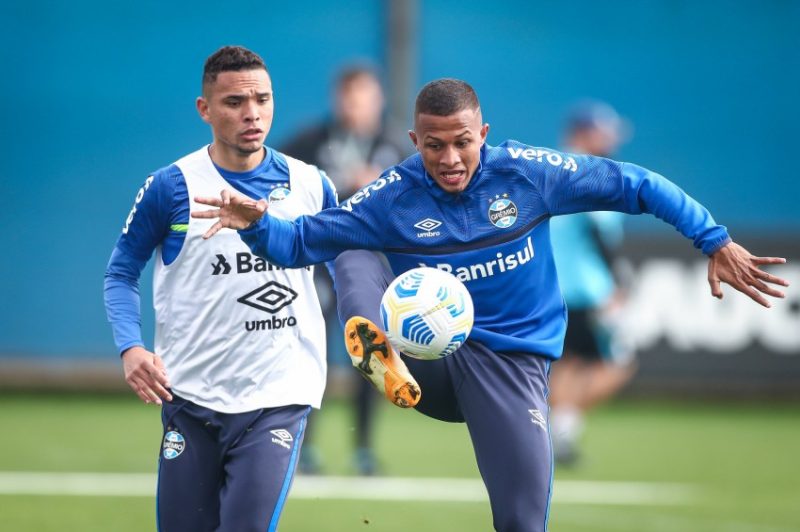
[
  {"x": 603, "y": 184},
  {"x": 736, "y": 266},
  {"x": 235, "y": 211}
]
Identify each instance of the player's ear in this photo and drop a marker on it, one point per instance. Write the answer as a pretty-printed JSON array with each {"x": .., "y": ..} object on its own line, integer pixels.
[
  {"x": 202, "y": 108},
  {"x": 413, "y": 136},
  {"x": 484, "y": 132}
]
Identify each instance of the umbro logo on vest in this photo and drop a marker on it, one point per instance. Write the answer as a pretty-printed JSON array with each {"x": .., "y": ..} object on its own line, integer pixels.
[{"x": 270, "y": 297}]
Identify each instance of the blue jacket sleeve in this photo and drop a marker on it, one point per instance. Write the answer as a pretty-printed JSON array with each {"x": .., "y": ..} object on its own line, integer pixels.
[
  {"x": 145, "y": 228},
  {"x": 319, "y": 238},
  {"x": 595, "y": 183},
  {"x": 330, "y": 199}
]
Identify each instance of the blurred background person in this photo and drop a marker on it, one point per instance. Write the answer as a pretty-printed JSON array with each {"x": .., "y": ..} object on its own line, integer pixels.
[
  {"x": 352, "y": 147},
  {"x": 596, "y": 361}
]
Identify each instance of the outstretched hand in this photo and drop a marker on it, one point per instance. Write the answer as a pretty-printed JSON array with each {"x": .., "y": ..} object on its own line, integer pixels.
[
  {"x": 236, "y": 211},
  {"x": 734, "y": 265}
]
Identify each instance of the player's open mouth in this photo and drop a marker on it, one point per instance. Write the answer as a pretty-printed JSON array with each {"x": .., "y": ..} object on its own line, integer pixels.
[
  {"x": 252, "y": 134},
  {"x": 452, "y": 177}
]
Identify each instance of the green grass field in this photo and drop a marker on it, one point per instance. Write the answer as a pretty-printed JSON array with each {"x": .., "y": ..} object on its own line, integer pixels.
[{"x": 737, "y": 466}]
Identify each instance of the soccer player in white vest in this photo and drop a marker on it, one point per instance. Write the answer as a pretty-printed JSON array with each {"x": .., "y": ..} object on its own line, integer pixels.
[
  {"x": 239, "y": 356},
  {"x": 492, "y": 206}
]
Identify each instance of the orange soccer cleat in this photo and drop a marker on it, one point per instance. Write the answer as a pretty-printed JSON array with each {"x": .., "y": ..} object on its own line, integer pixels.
[{"x": 378, "y": 362}]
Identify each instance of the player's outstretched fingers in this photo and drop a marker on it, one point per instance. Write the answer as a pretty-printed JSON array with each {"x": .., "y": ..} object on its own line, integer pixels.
[
  {"x": 766, "y": 289},
  {"x": 206, "y": 200},
  {"x": 716, "y": 288},
  {"x": 768, "y": 260},
  {"x": 211, "y": 213},
  {"x": 769, "y": 278},
  {"x": 756, "y": 296},
  {"x": 746, "y": 285},
  {"x": 213, "y": 230}
]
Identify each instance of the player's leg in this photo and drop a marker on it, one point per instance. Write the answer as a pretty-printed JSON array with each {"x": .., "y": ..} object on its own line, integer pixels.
[
  {"x": 189, "y": 469},
  {"x": 504, "y": 400},
  {"x": 259, "y": 467},
  {"x": 606, "y": 379},
  {"x": 311, "y": 459},
  {"x": 364, "y": 409},
  {"x": 616, "y": 361},
  {"x": 569, "y": 383},
  {"x": 434, "y": 376},
  {"x": 439, "y": 400},
  {"x": 570, "y": 379},
  {"x": 361, "y": 277}
]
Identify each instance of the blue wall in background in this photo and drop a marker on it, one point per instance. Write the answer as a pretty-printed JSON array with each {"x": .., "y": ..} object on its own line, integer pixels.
[
  {"x": 712, "y": 88},
  {"x": 97, "y": 96}
]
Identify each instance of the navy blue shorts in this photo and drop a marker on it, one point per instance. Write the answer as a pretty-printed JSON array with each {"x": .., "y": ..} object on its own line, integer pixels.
[
  {"x": 502, "y": 397},
  {"x": 226, "y": 472}
]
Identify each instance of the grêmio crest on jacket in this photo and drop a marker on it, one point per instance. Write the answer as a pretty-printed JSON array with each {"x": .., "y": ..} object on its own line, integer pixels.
[{"x": 502, "y": 211}]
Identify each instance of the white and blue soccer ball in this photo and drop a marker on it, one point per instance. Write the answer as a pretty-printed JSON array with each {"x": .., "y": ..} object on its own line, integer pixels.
[{"x": 427, "y": 313}]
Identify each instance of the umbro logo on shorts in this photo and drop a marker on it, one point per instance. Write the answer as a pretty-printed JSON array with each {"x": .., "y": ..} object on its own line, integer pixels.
[
  {"x": 538, "y": 419},
  {"x": 282, "y": 437}
]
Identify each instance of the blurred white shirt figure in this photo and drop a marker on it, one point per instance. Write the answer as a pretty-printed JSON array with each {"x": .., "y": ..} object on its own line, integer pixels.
[{"x": 596, "y": 364}]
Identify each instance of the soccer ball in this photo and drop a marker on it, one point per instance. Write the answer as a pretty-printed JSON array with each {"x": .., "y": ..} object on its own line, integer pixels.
[{"x": 427, "y": 313}]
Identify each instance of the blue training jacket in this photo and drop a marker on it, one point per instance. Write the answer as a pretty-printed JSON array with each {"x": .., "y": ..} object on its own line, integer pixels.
[{"x": 494, "y": 236}]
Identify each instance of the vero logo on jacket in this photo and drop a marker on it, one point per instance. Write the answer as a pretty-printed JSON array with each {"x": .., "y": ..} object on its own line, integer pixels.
[
  {"x": 538, "y": 154},
  {"x": 365, "y": 192},
  {"x": 137, "y": 201}
]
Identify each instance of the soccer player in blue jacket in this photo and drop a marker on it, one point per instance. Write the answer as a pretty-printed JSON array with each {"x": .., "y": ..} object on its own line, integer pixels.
[{"x": 482, "y": 213}]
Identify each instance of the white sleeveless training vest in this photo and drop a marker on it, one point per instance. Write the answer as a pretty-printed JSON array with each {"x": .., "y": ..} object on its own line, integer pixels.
[{"x": 237, "y": 333}]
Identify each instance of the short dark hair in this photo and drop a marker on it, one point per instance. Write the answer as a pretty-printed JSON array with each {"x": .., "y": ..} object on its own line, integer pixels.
[
  {"x": 354, "y": 72},
  {"x": 230, "y": 59},
  {"x": 445, "y": 96}
]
